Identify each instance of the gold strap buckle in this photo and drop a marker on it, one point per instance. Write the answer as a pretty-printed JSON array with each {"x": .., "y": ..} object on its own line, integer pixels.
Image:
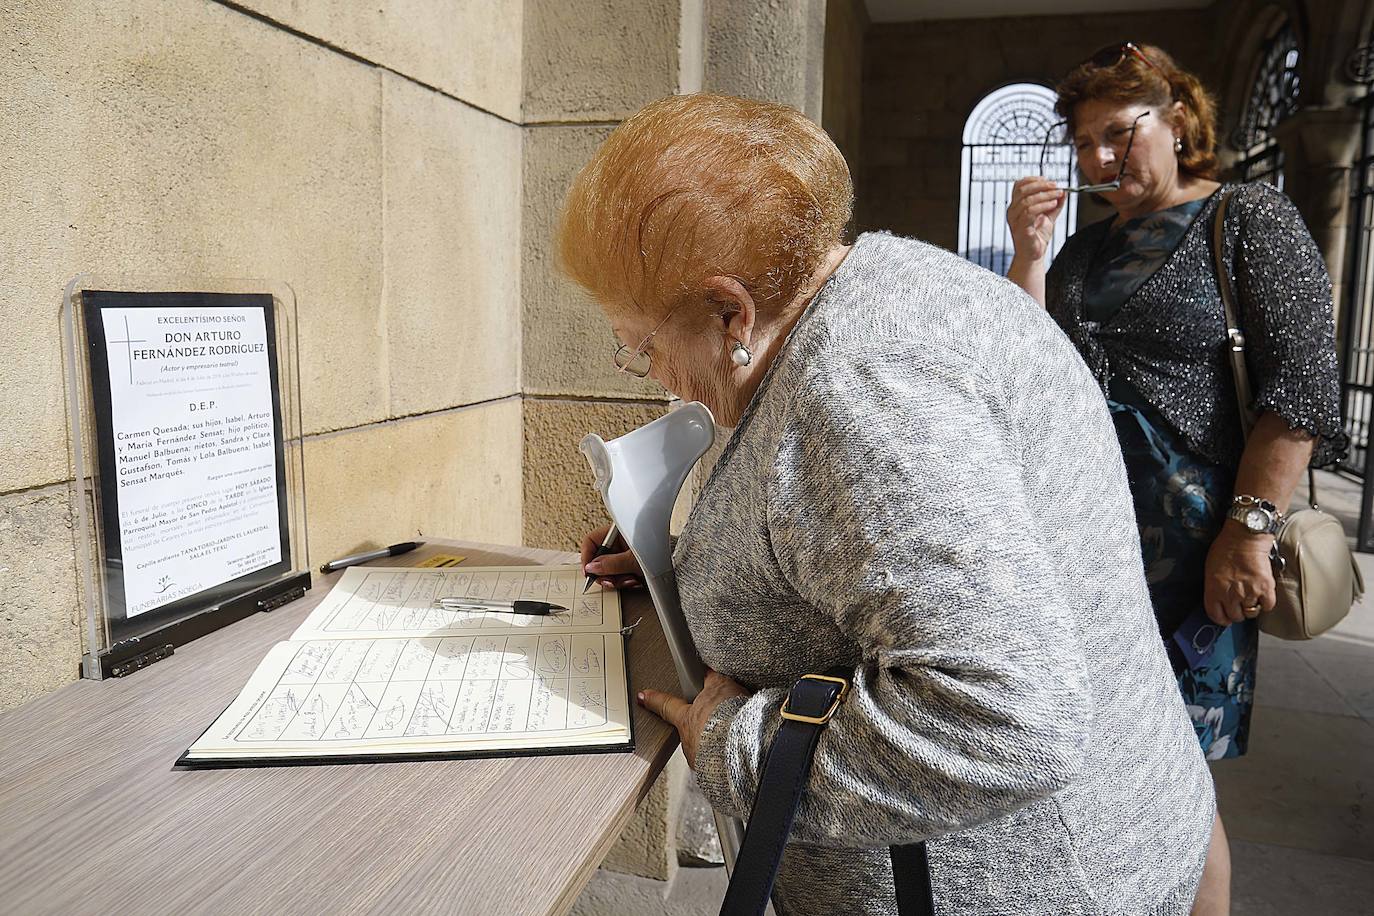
[{"x": 825, "y": 717}]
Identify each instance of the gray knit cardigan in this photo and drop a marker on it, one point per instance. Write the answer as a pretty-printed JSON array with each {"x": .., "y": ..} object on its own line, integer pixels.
[{"x": 927, "y": 487}]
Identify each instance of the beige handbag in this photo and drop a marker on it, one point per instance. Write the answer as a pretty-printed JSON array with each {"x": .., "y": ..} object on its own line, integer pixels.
[{"x": 1315, "y": 576}]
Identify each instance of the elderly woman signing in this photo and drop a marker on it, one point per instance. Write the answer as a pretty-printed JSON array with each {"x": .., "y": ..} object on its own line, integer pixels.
[{"x": 923, "y": 485}]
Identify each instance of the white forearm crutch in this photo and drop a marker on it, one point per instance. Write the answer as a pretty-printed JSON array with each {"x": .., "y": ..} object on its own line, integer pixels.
[{"x": 639, "y": 476}]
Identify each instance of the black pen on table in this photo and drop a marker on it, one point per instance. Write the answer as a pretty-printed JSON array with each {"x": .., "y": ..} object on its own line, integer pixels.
[
  {"x": 601, "y": 551},
  {"x": 395, "y": 550}
]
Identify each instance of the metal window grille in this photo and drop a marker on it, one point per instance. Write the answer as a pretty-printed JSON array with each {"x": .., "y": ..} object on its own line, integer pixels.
[
  {"x": 1264, "y": 165},
  {"x": 1273, "y": 97},
  {"x": 1358, "y": 362},
  {"x": 1003, "y": 139},
  {"x": 1357, "y": 351}
]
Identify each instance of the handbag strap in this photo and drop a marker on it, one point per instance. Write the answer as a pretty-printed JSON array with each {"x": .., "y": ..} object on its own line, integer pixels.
[
  {"x": 911, "y": 875},
  {"x": 1235, "y": 335},
  {"x": 1240, "y": 372},
  {"x": 811, "y": 702}
]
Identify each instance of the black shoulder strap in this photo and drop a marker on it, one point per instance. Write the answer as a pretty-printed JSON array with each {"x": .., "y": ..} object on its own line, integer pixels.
[
  {"x": 911, "y": 874},
  {"x": 810, "y": 704}
]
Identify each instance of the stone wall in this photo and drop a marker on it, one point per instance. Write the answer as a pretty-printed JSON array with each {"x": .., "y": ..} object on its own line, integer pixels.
[
  {"x": 922, "y": 80},
  {"x": 846, "y": 22},
  {"x": 342, "y": 148},
  {"x": 401, "y": 166},
  {"x": 588, "y": 66}
]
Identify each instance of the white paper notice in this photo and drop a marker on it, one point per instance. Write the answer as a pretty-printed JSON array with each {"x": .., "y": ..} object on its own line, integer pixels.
[{"x": 195, "y": 449}]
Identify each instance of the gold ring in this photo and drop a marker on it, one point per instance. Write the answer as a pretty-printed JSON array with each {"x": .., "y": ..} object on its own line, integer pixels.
[{"x": 1251, "y": 607}]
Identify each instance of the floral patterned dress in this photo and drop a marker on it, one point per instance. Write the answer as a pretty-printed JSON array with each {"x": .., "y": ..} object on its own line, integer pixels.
[{"x": 1180, "y": 503}]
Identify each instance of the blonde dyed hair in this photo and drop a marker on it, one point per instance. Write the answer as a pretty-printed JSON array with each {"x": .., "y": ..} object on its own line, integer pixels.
[
  {"x": 1131, "y": 81},
  {"x": 697, "y": 186}
]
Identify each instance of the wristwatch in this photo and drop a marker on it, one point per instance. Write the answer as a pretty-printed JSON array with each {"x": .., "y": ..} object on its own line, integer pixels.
[{"x": 1259, "y": 516}]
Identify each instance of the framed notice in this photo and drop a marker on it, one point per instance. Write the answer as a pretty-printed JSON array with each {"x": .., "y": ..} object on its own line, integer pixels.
[{"x": 187, "y": 432}]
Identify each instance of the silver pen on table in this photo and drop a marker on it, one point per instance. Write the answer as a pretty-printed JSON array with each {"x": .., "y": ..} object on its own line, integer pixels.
[{"x": 537, "y": 608}]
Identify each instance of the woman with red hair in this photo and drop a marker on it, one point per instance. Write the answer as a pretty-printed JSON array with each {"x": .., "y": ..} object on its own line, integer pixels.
[{"x": 1140, "y": 297}]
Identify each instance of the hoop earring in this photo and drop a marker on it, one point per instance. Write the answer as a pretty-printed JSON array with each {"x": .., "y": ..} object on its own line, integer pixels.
[{"x": 741, "y": 354}]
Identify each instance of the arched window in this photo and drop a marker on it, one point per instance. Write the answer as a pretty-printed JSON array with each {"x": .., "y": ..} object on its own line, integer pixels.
[
  {"x": 1273, "y": 97},
  {"x": 1004, "y": 138}
]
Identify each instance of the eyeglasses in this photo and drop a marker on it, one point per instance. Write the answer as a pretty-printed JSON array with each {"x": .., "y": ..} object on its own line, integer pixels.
[
  {"x": 1112, "y": 55},
  {"x": 636, "y": 362},
  {"x": 1113, "y": 136}
]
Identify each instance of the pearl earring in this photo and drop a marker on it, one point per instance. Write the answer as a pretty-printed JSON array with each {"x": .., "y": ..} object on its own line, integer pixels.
[
  {"x": 1178, "y": 144},
  {"x": 741, "y": 355}
]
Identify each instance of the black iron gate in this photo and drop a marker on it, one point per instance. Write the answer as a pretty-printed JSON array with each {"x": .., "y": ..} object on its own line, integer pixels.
[
  {"x": 1357, "y": 383},
  {"x": 1008, "y": 136}
]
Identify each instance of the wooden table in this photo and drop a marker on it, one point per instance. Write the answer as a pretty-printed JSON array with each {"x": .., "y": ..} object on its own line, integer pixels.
[{"x": 94, "y": 819}]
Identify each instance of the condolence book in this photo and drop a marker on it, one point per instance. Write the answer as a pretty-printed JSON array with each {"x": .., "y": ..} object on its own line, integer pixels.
[{"x": 378, "y": 671}]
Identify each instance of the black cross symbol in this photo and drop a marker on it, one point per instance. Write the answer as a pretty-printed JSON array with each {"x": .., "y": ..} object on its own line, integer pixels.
[{"x": 128, "y": 349}]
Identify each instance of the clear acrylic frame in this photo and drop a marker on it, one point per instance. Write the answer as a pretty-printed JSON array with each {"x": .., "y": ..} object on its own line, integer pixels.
[{"x": 118, "y": 643}]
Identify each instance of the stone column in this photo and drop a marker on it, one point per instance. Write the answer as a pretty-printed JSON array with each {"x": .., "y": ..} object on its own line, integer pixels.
[
  {"x": 1319, "y": 147},
  {"x": 1322, "y": 139},
  {"x": 767, "y": 50},
  {"x": 773, "y": 51},
  {"x": 587, "y": 67}
]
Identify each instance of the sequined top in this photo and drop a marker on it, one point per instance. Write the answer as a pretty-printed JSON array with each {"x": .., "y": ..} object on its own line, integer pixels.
[
  {"x": 1168, "y": 340},
  {"x": 1130, "y": 254}
]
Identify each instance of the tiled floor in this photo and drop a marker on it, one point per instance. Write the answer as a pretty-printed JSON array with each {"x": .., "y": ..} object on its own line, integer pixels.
[{"x": 1299, "y": 807}]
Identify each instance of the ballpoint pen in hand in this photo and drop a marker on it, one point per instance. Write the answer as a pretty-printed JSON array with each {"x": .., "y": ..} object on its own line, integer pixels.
[
  {"x": 601, "y": 551},
  {"x": 537, "y": 608}
]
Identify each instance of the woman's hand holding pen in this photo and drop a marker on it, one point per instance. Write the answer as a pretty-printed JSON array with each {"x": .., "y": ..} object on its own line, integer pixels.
[
  {"x": 690, "y": 718},
  {"x": 617, "y": 569}
]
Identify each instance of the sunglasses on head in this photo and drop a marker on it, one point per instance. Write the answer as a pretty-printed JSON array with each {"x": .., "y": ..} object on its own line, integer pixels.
[{"x": 1112, "y": 55}]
